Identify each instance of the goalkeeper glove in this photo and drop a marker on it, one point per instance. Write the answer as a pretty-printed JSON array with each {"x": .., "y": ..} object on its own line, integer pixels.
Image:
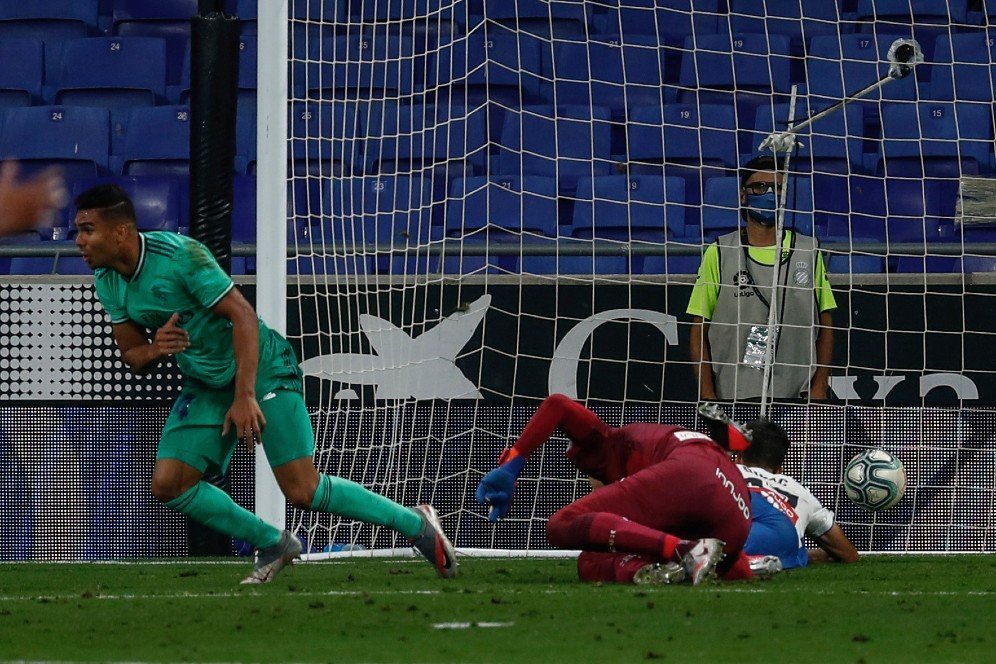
[{"x": 497, "y": 486}]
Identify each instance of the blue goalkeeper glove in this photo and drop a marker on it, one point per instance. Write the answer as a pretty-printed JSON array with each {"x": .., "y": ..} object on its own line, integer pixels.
[{"x": 497, "y": 486}]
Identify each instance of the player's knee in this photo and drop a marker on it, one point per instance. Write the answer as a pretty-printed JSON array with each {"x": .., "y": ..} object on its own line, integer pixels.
[
  {"x": 300, "y": 497},
  {"x": 560, "y": 528},
  {"x": 166, "y": 488}
]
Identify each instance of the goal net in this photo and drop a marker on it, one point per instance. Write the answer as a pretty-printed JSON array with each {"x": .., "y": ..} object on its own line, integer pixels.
[{"x": 488, "y": 202}]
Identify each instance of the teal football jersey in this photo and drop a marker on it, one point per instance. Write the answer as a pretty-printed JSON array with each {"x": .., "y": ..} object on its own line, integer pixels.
[{"x": 177, "y": 274}]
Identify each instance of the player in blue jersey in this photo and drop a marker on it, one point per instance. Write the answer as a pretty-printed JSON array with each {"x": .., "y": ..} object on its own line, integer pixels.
[
  {"x": 166, "y": 296},
  {"x": 783, "y": 511}
]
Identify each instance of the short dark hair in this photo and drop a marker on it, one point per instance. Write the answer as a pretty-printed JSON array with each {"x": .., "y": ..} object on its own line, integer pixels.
[
  {"x": 768, "y": 446},
  {"x": 763, "y": 163},
  {"x": 110, "y": 199}
]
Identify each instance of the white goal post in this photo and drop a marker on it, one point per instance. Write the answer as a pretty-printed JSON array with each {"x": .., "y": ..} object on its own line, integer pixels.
[{"x": 466, "y": 205}]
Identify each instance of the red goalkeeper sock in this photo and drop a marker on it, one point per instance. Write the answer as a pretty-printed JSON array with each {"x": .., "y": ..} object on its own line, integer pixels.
[{"x": 602, "y": 531}]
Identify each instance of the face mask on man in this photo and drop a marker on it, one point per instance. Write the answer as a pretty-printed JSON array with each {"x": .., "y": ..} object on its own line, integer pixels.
[{"x": 761, "y": 208}]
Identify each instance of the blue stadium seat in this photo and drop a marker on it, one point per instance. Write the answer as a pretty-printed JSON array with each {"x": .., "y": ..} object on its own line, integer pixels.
[
  {"x": 155, "y": 141},
  {"x": 629, "y": 207},
  {"x": 669, "y": 21},
  {"x": 323, "y": 138},
  {"x": 559, "y": 20},
  {"x": 22, "y": 71},
  {"x": 567, "y": 143},
  {"x": 447, "y": 141},
  {"x": 244, "y": 208},
  {"x": 510, "y": 204},
  {"x": 501, "y": 66},
  {"x": 928, "y": 19},
  {"x": 834, "y": 143},
  {"x": 48, "y": 20},
  {"x": 611, "y": 70},
  {"x": 395, "y": 211},
  {"x": 311, "y": 23},
  {"x": 720, "y": 207},
  {"x": 355, "y": 67},
  {"x": 502, "y": 209},
  {"x": 799, "y": 21},
  {"x": 245, "y": 135},
  {"x": 112, "y": 72},
  {"x": 940, "y": 139},
  {"x": 76, "y": 138},
  {"x": 760, "y": 66},
  {"x": 963, "y": 68},
  {"x": 168, "y": 20},
  {"x": 839, "y": 66}
]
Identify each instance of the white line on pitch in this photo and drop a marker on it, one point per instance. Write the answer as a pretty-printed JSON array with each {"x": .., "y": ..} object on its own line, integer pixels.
[
  {"x": 470, "y": 625},
  {"x": 325, "y": 593}
]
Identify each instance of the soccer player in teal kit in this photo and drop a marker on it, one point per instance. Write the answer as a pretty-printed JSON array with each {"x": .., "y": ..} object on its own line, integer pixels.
[{"x": 241, "y": 382}]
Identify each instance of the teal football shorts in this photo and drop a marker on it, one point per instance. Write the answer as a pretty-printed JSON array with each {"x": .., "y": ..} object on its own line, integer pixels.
[{"x": 192, "y": 433}]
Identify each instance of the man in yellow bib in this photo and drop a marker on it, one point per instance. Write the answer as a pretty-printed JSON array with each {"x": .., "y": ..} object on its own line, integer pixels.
[{"x": 731, "y": 300}]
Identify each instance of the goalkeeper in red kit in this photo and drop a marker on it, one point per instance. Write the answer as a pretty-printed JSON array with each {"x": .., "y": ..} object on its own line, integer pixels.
[{"x": 669, "y": 504}]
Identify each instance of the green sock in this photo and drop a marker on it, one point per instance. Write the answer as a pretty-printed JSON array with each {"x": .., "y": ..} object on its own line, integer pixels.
[
  {"x": 207, "y": 504},
  {"x": 344, "y": 498}
]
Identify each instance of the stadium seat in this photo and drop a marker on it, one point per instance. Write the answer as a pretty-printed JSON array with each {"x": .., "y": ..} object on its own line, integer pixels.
[
  {"x": 112, "y": 72},
  {"x": 799, "y": 21},
  {"x": 502, "y": 66},
  {"x": 510, "y": 204},
  {"x": 381, "y": 211},
  {"x": 244, "y": 208},
  {"x": 168, "y": 20},
  {"x": 509, "y": 210},
  {"x": 324, "y": 138},
  {"x": 629, "y": 208},
  {"x": 311, "y": 23},
  {"x": 720, "y": 207},
  {"x": 22, "y": 71},
  {"x": 760, "y": 66},
  {"x": 614, "y": 71},
  {"x": 834, "y": 143},
  {"x": 355, "y": 67},
  {"x": 669, "y": 22},
  {"x": 75, "y": 138},
  {"x": 556, "y": 20},
  {"x": 839, "y": 66},
  {"x": 935, "y": 139},
  {"x": 245, "y": 135},
  {"x": 48, "y": 20},
  {"x": 963, "y": 68},
  {"x": 443, "y": 140},
  {"x": 567, "y": 143},
  {"x": 928, "y": 19},
  {"x": 155, "y": 141}
]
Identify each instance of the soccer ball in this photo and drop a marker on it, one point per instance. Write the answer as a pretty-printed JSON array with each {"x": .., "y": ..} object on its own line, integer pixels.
[{"x": 875, "y": 480}]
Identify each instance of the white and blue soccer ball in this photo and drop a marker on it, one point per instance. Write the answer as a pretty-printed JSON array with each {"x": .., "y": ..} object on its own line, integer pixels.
[{"x": 875, "y": 480}]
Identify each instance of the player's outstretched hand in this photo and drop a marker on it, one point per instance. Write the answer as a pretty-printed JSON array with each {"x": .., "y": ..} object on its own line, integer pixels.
[
  {"x": 496, "y": 490},
  {"x": 171, "y": 339},
  {"x": 246, "y": 418},
  {"x": 26, "y": 204}
]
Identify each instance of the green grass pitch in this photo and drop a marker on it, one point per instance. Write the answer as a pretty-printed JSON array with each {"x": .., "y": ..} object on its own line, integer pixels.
[{"x": 884, "y": 609}]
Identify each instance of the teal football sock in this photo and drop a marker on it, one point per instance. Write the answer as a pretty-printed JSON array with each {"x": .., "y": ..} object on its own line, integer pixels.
[
  {"x": 207, "y": 504},
  {"x": 341, "y": 497}
]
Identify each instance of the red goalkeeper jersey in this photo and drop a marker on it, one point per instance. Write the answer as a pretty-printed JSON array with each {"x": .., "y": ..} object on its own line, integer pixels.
[{"x": 617, "y": 453}]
